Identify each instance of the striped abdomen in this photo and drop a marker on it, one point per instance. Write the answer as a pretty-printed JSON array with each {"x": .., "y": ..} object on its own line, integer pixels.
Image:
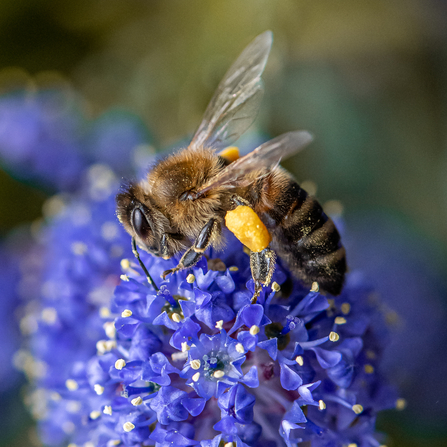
[{"x": 305, "y": 237}]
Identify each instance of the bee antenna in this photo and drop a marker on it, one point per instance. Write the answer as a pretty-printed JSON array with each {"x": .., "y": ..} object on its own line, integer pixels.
[{"x": 148, "y": 276}]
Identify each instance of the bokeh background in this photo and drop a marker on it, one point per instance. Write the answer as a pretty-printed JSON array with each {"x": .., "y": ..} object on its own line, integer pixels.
[{"x": 368, "y": 79}]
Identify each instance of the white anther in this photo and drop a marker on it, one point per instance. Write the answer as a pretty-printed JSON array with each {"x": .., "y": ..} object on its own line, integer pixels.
[
  {"x": 98, "y": 389},
  {"x": 315, "y": 287},
  {"x": 71, "y": 384},
  {"x": 125, "y": 264},
  {"x": 104, "y": 312},
  {"x": 196, "y": 376},
  {"x": 254, "y": 330},
  {"x": 128, "y": 426},
  {"x": 126, "y": 313},
  {"x": 95, "y": 414},
  {"x": 218, "y": 374},
  {"x": 240, "y": 348},
  {"x": 299, "y": 359},
  {"x": 79, "y": 248},
  {"x": 190, "y": 278},
  {"x": 276, "y": 287},
  {"x": 321, "y": 405},
  {"x": 333, "y": 336},
  {"x": 120, "y": 364},
  {"x": 340, "y": 320},
  {"x": 185, "y": 346},
  {"x": 219, "y": 324},
  {"x": 49, "y": 315},
  {"x": 401, "y": 403},
  {"x": 177, "y": 356},
  {"x": 369, "y": 369},
  {"x": 357, "y": 408},
  {"x": 346, "y": 308},
  {"x": 124, "y": 278},
  {"x": 176, "y": 317},
  {"x": 229, "y": 444},
  {"x": 109, "y": 329},
  {"x": 137, "y": 401},
  {"x": 195, "y": 364},
  {"x": 107, "y": 410}
]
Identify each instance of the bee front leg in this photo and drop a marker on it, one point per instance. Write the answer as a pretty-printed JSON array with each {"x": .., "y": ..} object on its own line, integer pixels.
[
  {"x": 193, "y": 254},
  {"x": 262, "y": 265}
]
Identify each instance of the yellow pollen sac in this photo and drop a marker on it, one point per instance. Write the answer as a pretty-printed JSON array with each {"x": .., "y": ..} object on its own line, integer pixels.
[
  {"x": 254, "y": 330},
  {"x": 126, "y": 313},
  {"x": 340, "y": 320},
  {"x": 190, "y": 278},
  {"x": 299, "y": 359},
  {"x": 357, "y": 408},
  {"x": 315, "y": 287},
  {"x": 195, "y": 364},
  {"x": 120, "y": 364},
  {"x": 230, "y": 153},
  {"x": 248, "y": 228},
  {"x": 333, "y": 336},
  {"x": 321, "y": 405},
  {"x": 137, "y": 401},
  {"x": 98, "y": 389},
  {"x": 128, "y": 426},
  {"x": 276, "y": 287},
  {"x": 95, "y": 414},
  {"x": 107, "y": 410},
  {"x": 401, "y": 403},
  {"x": 369, "y": 369}
]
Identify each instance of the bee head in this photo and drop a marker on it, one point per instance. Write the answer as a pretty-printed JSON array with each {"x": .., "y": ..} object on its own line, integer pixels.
[{"x": 137, "y": 217}]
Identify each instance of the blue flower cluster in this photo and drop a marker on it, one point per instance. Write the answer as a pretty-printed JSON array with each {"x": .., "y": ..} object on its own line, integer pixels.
[
  {"x": 47, "y": 137},
  {"x": 116, "y": 363}
]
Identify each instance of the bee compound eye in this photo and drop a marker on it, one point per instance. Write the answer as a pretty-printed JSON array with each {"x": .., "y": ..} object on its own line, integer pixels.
[{"x": 140, "y": 224}]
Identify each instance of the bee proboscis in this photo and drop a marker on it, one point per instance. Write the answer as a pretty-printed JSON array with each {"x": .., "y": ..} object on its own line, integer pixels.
[{"x": 182, "y": 204}]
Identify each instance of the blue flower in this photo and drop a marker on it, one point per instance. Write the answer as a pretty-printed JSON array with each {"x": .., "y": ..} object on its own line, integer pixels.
[{"x": 114, "y": 362}]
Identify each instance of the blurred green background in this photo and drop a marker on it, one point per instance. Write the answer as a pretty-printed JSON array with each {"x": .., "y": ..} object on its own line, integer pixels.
[{"x": 368, "y": 79}]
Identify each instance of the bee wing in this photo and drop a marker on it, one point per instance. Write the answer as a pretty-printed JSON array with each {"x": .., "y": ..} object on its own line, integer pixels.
[
  {"x": 234, "y": 106},
  {"x": 268, "y": 155}
]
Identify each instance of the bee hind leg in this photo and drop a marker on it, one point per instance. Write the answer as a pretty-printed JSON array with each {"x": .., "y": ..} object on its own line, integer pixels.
[
  {"x": 262, "y": 265},
  {"x": 194, "y": 253}
]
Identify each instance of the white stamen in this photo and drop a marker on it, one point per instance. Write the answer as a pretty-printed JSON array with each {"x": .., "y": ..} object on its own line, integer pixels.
[
  {"x": 218, "y": 374},
  {"x": 128, "y": 426},
  {"x": 321, "y": 405},
  {"x": 95, "y": 414},
  {"x": 126, "y": 313},
  {"x": 104, "y": 312},
  {"x": 49, "y": 315},
  {"x": 137, "y": 401},
  {"x": 240, "y": 348},
  {"x": 98, "y": 389},
  {"x": 190, "y": 278},
  {"x": 107, "y": 410},
  {"x": 71, "y": 384},
  {"x": 299, "y": 359},
  {"x": 195, "y": 364},
  {"x": 196, "y": 376},
  {"x": 177, "y": 356},
  {"x": 79, "y": 248},
  {"x": 219, "y": 324},
  {"x": 357, "y": 408},
  {"x": 401, "y": 403},
  {"x": 120, "y": 364},
  {"x": 315, "y": 287},
  {"x": 254, "y": 330},
  {"x": 233, "y": 268},
  {"x": 333, "y": 336},
  {"x": 109, "y": 329},
  {"x": 124, "y": 278},
  {"x": 346, "y": 308},
  {"x": 125, "y": 264},
  {"x": 229, "y": 444},
  {"x": 185, "y": 346},
  {"x": 369, "y": 369},
  {"x": 276, "y": 287},
  {"x": 340, "y": 320},
  {"x": 176, "y": 317}
]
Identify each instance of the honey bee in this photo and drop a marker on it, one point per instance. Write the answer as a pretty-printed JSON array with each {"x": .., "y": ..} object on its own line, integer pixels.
[{"x": 183, "y": 203}]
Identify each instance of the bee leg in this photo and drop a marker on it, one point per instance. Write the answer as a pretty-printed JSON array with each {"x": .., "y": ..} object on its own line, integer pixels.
[
  {"x": 262, "y": 265},
  {"x": 193, "y": 254}
]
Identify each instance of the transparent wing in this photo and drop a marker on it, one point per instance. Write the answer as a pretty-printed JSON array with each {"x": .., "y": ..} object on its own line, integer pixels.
[
  {"x": 268, "y": 155},
  {"x": 234, "y": 106}
]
